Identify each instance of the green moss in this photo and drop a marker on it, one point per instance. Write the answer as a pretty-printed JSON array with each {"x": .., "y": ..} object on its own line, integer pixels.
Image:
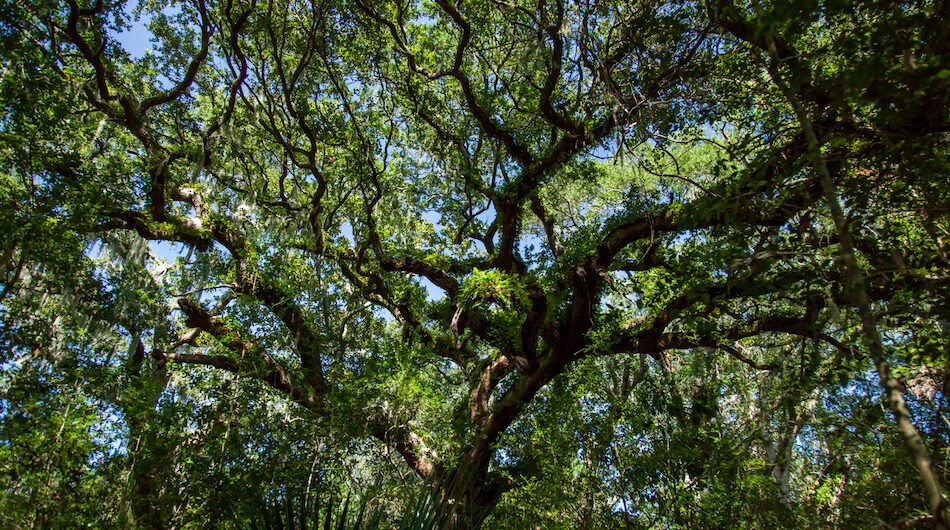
[
  {"x": 163, "y": 230},
  {"x": 178, "y": 230}
]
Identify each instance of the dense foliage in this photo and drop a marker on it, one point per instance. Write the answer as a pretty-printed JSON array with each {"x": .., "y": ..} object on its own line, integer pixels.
[{"x": 568, "y": 264}]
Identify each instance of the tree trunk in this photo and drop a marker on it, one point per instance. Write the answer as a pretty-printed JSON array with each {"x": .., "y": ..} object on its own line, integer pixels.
[
  {"x": 148, "y": 458},
  {"x": 468, "y": 494}
]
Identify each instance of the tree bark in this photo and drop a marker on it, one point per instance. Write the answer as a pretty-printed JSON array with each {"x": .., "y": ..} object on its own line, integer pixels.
[{"x": 469, "y": 493}]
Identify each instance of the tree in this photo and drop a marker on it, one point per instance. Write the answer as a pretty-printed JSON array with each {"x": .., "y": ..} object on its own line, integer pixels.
[{"x": 518, "y": 244}]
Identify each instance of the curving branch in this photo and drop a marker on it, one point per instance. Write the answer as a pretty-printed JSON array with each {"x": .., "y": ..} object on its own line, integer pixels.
[
  {"x": 255, "y": 361},
  {"x": 189, "y": 77}
]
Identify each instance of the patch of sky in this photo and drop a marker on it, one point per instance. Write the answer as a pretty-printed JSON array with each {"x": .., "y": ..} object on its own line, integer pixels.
[
  {"x": 621, "y": 506},
  {"x": 530, "y": 243},
  {"x": 425, "y": 20},
  {"x": 137, "y": 39},
  {"x": 108, "y": 431},
  {"x": 488, "y": 214},
  {"x": 433, "y": 291},
  {"x": 166, "y": 250},
  {"x": 94, "y": 248},
  {"x": 346, "y": 230},
  {"x": 140, "y": 41},
  {"x": 504, "y": 457}
]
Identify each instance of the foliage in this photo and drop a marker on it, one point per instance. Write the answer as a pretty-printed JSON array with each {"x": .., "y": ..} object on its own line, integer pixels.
[{"x": 603, "y": 264}]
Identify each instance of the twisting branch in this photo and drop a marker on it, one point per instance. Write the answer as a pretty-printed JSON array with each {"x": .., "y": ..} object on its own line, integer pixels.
[
  {"x": 193, "y": 67},
  {"x": 553, "y": 30},
  {"x": 262, "y": 366},
  {"x": 739, "y": 356},
  {"x": 547, "y": 222}
]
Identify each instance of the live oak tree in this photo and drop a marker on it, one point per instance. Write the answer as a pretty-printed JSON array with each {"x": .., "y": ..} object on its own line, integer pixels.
[{"x": 497, "y": 237}]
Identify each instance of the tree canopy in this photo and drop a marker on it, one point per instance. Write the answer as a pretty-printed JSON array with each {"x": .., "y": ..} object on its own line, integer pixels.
[{"x": 572, "y": 264}]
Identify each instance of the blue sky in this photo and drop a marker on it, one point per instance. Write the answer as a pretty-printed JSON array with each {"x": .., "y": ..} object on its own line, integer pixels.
[{"x": 137, "y": 40}]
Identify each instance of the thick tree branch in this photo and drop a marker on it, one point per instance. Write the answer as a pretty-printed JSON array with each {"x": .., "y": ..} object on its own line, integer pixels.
[
  {"x": 263, "y": 366},
  {"x": 432, "y": 273},
  {"x": 410, "y": 446}
]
